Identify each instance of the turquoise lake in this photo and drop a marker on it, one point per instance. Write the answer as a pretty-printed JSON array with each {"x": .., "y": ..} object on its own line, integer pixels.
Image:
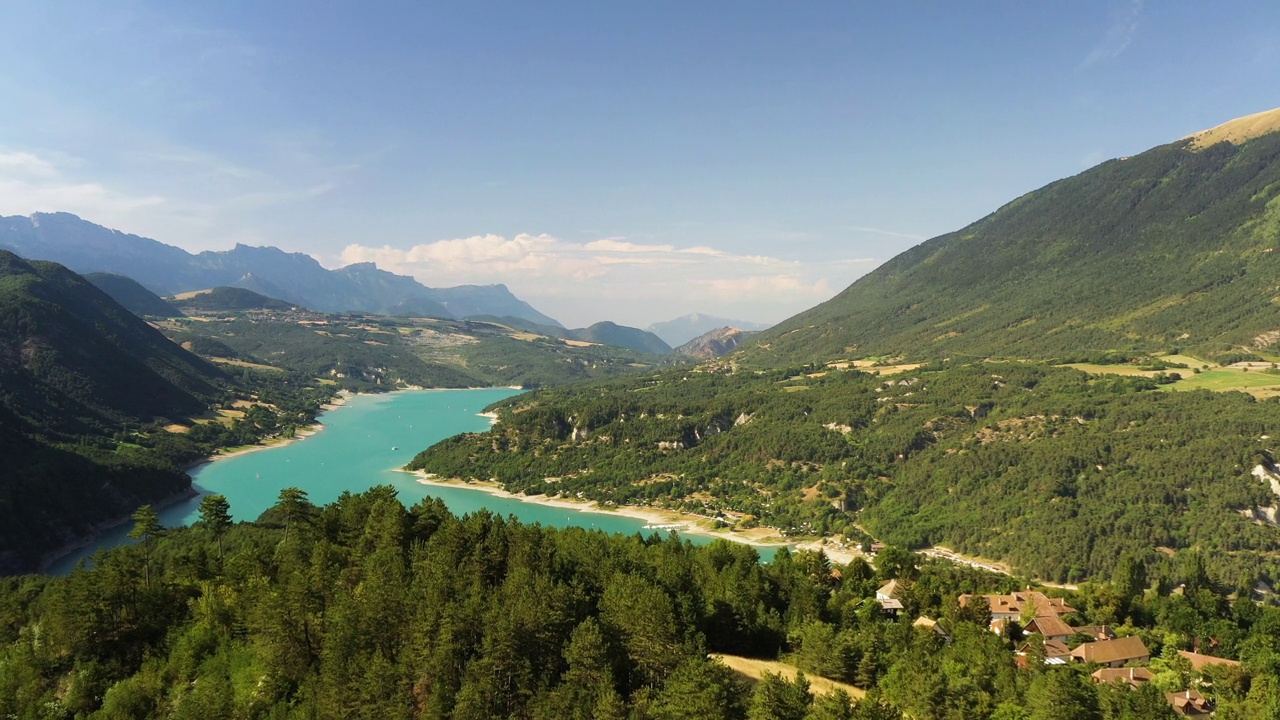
[{"x": 361, "y": 445}]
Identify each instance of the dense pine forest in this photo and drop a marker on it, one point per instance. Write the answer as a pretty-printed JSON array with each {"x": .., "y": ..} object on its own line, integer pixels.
[
  {"x": 364, "y": 608},
  {"x": 1047, "y": 468}
]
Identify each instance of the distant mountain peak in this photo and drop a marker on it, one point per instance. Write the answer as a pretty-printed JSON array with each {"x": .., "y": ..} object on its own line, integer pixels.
[
  {"x": 1238, "y": 130},
  {"x": 681, "y": 330},
  {"x": 714, "y": 343}
]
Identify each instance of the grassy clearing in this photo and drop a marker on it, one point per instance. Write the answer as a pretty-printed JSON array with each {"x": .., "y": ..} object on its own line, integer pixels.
[
  {"x": 895, "y": 369},
  {"x": 871, "y": 365},
  {"x": 754, "y": 669},
  {"x": 191, "y": 294},
  {"x": 1093, "y": 369},
  {"x": 1189, "y": 361},
  {"x": 1255, "y": 382},
  {"x": 225, "y": 417}
]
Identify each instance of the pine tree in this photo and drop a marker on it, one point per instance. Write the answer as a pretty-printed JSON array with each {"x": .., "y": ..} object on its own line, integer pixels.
[
  {"x": 146, "y": 528},
  {"x": 777, "y": 699},
  {"x": 215, "y": 516}
]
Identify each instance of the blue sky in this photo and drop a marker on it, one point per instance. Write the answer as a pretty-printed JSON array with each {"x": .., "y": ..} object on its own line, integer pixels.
[{"x": 606, "y": 160}]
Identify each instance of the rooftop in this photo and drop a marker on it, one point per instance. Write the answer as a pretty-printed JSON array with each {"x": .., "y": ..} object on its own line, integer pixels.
[{"x": 1110, "y": 651}]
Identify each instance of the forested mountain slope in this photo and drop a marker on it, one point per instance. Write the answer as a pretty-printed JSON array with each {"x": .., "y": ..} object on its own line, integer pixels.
[
  {"x": 609, "y": 333},
  {"x": 1048, "y": 469},
  {"x": 1172, "y": 248},
  {"x": 72, "y": 360},
  {"x": 230, "y": 299},
  {"x": 132, "y": 295},
  {"x": 76, "y": 368}
]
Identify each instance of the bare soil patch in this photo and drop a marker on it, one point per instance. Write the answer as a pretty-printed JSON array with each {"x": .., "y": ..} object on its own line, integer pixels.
[{"x": 754, "y": 670}]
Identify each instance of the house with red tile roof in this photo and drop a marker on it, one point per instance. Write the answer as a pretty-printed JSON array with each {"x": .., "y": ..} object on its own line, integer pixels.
[
  {"x": 1198, "y": 661},
  {"x": 1013, "y": 606},
  {"x": 1189, "y": 703},
  {"x": 1050, "y": 627},
  {"x": 1133, "y": 677},
  {"x": 1113, "y": 653}
]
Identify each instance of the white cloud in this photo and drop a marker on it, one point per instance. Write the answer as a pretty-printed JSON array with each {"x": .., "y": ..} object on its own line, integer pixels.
[
  {"x": 206, "y": 202},
  {"x": 1124, "y": 24},
  {"x": 24, "y": 164},
  {"x": 30, "y": 183},
  {"x": 614, "y": 245},
  {"x": 621, "y": 280},
  {"x": 777, "y": 286}
]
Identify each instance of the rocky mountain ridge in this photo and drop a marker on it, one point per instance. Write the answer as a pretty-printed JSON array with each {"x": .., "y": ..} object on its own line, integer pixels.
[{"x": 297, "y": 278}]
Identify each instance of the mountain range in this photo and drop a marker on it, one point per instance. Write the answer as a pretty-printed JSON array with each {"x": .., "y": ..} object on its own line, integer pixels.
[{"x": 297, "y": 278}]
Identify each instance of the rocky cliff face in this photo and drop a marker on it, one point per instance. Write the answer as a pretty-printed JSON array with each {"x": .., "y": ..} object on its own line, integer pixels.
[{"x": 715, "y": 343}]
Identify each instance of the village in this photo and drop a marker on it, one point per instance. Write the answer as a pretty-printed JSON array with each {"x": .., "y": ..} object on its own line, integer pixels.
[{"x": 1039, "y": 627}]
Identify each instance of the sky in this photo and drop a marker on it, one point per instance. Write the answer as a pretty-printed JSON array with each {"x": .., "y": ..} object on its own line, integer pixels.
[{"x": 616, "y": 161}]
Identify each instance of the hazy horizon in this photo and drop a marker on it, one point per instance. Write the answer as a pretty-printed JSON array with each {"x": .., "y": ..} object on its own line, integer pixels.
[{"x": 625, "y": 163}]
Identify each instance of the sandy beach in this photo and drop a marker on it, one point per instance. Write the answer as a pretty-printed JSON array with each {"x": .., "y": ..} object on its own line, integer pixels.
[{"x": 660, "y": 519}]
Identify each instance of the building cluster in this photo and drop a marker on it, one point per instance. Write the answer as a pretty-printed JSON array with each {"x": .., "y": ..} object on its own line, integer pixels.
[{"x": 1048, "y": 636}]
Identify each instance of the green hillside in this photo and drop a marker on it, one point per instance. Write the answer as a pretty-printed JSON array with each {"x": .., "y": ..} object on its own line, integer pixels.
[
  {"x": 231, "y": 299},
  {"x": 77, "y": 372},
  {"x": 72, "y": 360},
  {"x": 1001, "y": 461},
  {"x": 131, "y": 294},
  {"x": 1172, "y": 248},
  {"x": 608, "y": 333},
  {"x": 374, "y": 353}
]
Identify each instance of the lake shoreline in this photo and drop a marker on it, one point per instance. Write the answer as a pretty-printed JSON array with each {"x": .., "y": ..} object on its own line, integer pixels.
[
  {"x": 101, "y": 531},
  {"x": 95, "y": 532},
  {"x": 337, "y": 403},
  {"x": 340, "y": 399},
  {"x": 658, "y": 519}
]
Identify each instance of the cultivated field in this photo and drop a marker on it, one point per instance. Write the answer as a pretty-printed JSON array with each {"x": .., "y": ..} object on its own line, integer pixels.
[{"x": 1259, "y": 383}]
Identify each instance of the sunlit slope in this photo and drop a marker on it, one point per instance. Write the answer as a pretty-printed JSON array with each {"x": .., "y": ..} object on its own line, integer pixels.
[{"x": 1171, "y": 248}]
